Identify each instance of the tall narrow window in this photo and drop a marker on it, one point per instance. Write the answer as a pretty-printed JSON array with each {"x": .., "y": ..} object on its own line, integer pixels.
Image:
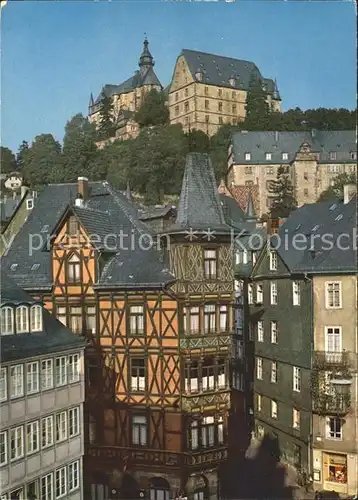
[
  {"x": 61, "y": 483},
  {"x": 259, "y": 402},
  {"x": 91, "y": 319},
  {"x": 210, "y": 264},
  {"x": 192, "y": 377},
  {"x": 61, "y": 371},
  {"x": 36, "y": 318},
  {"x": 273, "y": 260},
  {"x": 32, "y": 377},
  {"x": 194, "y": 319},
  {"x": 3, "y": 448},
  {"x": 333, "y": 295},
  {"x": 47, "y": 487},
  {"x": 223, "y": 318},
  {"x": 3, "y": 384},
  {"x": 16, "y": 381},
  {"x": 73, "y": 476},
  {"x": 73, "y": 226},
  {"x": 194, "y": 435},
  {"x": 296, "y": 417},
  {"x": 296, "y": 379},
  {"x": 137, "y": 381},
  {"x": 136, "y": 320},
  {"x": 74, "y": 269},
  {"x": 259, "y": 368},
  {"x": 273, "y": 293},
  {"x": 139, "y": 430},
  {"x": 61, "y": 314},
  {"x": 221, "y": 373},
  {"x": 250, "y": 294},
  {"x": 22, "y": 319},
  {"x": 73, "y": 368},
  {"x": 208, "y": 374},
  {"x": 334, "y": 427},
  {"x": 32, "y": 437},
  {"x": 274, "y": 332},
  {"x": 74, "y": 421},
  {"x": 296, "y": 293},
  {"x": 46, "y": 374},
  {"x": 333, "y": 343},
  {"x": 274, "y": 372},
  {"x": 16, "y": 443},
  {"x": 76, "y": 320},
  {"x": 61, "y": 426},
  {"x": 209, "y": 318},
  {"x": 7, "y": 320},
  {"x": 260, "y": 331},
  {"x": 274, "y": 410},
  {"x": 47, "y": 436},
  {"x": 259, "y": 293},
  {"x": 208, "y": 432}
]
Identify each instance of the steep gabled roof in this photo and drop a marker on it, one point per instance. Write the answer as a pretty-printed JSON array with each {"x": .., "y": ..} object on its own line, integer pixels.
[
  {"x": 217, "y": 70},
  {"x": 199, "y": 205}
]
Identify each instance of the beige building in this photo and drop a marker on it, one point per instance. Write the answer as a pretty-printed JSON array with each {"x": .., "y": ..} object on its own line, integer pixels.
[
  {"x": 128, "y": 96},
  {"x": 208, "y": 91},
  {"x": 335, "y": 418},
  {"x": 313, "y": 160}
]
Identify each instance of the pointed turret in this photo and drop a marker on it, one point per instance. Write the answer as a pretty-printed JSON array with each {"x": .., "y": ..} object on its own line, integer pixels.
[
  {"x": 146, "y": 59},
  {"x": 276, "y": 94},
  {"x": 250, "y": 210}
]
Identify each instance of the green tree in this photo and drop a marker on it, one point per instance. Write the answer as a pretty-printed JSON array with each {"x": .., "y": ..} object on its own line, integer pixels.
[
  {"x": 43, "y": 161},
  {"x": 21, "y": 154},
  {"x": 79, "y": 149},
  {"x": 257, "y": 108},
  {"x": 153, "y": 110},
  {"x": 152, "y": 163},
  {"x": 198, "y": 141},
  {"x": 106, "y": 125},
  {"x": 283, "y": 202},
  {"x": 8, "y": 160},
  {"x": 219, "y": 146},
  {"x": 335, "y": 190}
]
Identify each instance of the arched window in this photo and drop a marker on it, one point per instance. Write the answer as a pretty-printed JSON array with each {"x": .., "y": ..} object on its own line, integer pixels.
[
  {"x": 159, "y": 489},
  {"x": 36, "y": 318},
  {"x": 22, "y": 319},
  {"x": 74, "y": 269},
  {"x": 7, "y": 320}
]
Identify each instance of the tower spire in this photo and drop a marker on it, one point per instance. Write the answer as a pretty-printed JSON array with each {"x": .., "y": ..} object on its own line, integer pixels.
[{"x": 146, "y": 59}]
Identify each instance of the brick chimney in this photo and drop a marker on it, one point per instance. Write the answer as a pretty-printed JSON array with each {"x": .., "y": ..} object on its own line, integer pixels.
[
  {"x": 349, "y": 191},
  {"x": 82, "y": 183}
]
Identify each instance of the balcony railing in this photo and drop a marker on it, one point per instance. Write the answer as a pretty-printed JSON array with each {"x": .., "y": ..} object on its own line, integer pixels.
[
  {"x": 336, "y": 404},
  {"x": 334, "y": 359}
]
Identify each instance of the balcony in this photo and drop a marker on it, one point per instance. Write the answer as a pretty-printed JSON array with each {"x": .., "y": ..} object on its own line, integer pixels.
[
  {"x": 332, "y": 404},
  {"x": 204, "y": 341},
  {"x": 215, "y": 399},
  {"x": 326, "y": 359}
]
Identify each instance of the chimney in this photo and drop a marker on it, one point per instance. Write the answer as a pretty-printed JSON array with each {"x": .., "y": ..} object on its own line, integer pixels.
[
  {"x": 24, "y": 190},
  {"x": 313, "y": 133},
  {"x": 83, "y": 188},
  {"x": 14, "y": 194},
  {"x": 222, "y": 187},
  {"x": 349, "y": 191},
  {"x": 276, "y": 136}
]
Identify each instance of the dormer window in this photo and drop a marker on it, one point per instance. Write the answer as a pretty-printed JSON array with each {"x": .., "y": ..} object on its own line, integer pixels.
[
  {"x": 332, "y": 155},
  {"x": 36, "y": 318},
  {"x": 74, "y": 269},
  {"x": 285, "y": 156},
  {"x": 7, "y": 320},
  {"x": 268, "y": 156},
  {"x": 72, "y": 226},
  {"x": 247, "y": 156},
  {"x": 232, "y": 81},
  {"x": 22, "y": 319},
  {"x": 29, "y": 204}
]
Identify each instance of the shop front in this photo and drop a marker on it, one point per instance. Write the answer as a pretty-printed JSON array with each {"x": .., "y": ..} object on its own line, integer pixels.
[{"x": 335, "y": 472}]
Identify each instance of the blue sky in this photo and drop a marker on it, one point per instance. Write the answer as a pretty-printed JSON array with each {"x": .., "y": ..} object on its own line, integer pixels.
[{"x": 54, "y": 53}]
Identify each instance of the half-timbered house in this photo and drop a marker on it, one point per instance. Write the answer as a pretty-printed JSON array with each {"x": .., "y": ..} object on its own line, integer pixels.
[{"x": 163, "y": 368}]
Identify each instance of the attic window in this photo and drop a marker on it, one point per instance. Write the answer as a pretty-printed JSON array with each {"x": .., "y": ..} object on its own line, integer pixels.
[
  {"x": 29, "y": 204},
  {"x": 44, "y": 228},
  {"x": 332, "y": 207},
  {"x": 268, "y": 156},
  {"x": 285, "y": 156},
  {"x": 298, "y": 227},
  {"x": 333, "y": 155},
  {"x": 315, "y": 227},
  {"x": 35, "y": 267},
  {"x": 339, "y": 217}
]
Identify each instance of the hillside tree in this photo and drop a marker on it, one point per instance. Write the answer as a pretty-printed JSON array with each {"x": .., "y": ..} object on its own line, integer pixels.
[
  {"x": 8, "y": 160},
  {"x": 257, "y": 108},
  {"x": 106, "y": 124},
  {"x": 283, "y": 200},
  {"x": 43, "y": 161},
  {"x": 153, "y": 110},
  {"x": 336, "y": 189}
]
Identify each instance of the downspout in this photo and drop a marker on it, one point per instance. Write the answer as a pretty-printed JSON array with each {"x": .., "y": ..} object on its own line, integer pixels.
[{"x": 310, "y": 435}]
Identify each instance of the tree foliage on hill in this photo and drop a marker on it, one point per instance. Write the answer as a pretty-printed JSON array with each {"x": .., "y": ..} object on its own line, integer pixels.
[
  {"x": 79, "y": 150},
  {"x": 153, "y": 110},
  {"x": 106, "y": 124},
  {"x": 153, "y": 162},
  {"x": 43, "y": 161},
  {"x": 21, "y": 154},
  {"x": 8, "y": 160},
  {"x": 335, "y": 190},
  {"x": 283, "y": 200},
  {"x": 257, "y": 108}
]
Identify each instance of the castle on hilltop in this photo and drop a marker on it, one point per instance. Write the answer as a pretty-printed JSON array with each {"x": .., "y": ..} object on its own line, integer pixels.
[{"x": 206, "y": 91}]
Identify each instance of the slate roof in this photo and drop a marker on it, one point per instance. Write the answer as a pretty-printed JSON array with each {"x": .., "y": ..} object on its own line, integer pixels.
[
  {"x": 146, "y": 76},
  {"x": 217, "y": 70},
  {"x": 8, "y": 207},
  {"x": 233, "y": 214},
  {"x": 343, "y": 142},
  {"x": 52, "y": 339},
  {"x": 320, "y": 224},
  {"x": 199, "y": 204},
  {"x": 156, "y": 212},
  {"x": 107, "y": 212}
]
